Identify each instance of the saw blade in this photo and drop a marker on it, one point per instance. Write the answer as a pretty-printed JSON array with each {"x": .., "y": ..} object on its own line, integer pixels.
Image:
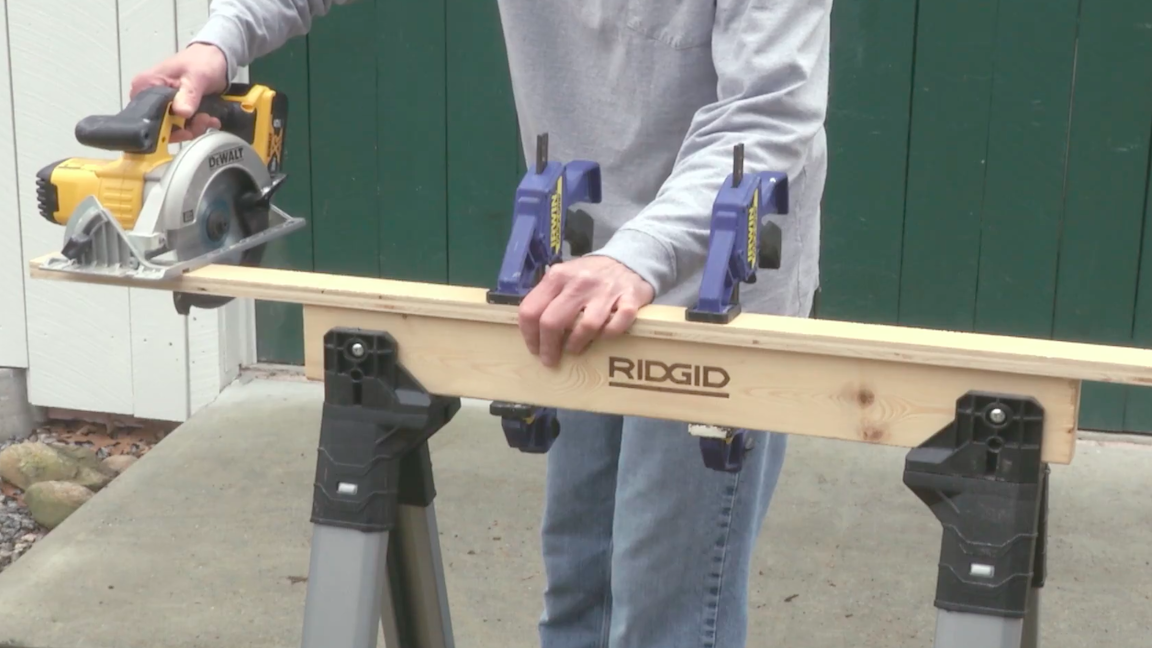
[{"x": 229, "y": 210}]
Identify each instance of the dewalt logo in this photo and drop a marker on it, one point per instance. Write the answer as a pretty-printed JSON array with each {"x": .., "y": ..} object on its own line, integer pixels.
[{"x": 668, "y": 377}]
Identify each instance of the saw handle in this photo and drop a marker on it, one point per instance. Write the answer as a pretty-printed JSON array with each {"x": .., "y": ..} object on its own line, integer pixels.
[{"x": 139, "y": 126}]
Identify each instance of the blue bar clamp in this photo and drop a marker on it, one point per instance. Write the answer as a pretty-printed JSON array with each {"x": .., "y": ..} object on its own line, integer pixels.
[
  {"x": 541, "y": 222},
  {"x": 739, "y": 244}
]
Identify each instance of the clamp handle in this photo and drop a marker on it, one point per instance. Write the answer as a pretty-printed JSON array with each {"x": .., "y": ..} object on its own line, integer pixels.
[
  {"x": 739, "y": 243},
  {"x": 541, "y": 222}
]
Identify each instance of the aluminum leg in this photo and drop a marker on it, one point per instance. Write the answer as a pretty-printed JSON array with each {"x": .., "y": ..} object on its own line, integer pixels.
[
  {"x": 345, "y": 586},
  {"x": 1030, "y": 638},
  {"x": 419, "y": 596},
  {"x": 967, "y": 630}
]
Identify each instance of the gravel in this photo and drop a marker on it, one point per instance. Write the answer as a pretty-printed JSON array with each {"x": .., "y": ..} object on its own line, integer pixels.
[{"x": 18, "y": 531}]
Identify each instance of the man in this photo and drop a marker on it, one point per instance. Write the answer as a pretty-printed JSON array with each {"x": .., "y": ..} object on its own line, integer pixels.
[{"x": 643, "y": 546}]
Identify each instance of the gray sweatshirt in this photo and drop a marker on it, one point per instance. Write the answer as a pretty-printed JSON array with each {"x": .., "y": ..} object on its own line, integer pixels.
[{"x": 657, "y": 92}]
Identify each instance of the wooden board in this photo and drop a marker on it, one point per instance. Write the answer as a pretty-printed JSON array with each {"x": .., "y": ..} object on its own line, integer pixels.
[
  {"x": 868, "y": 121},
  {"x": 841, "y": 397},
  {"x": 795, "y": 375},
  {"x": 1004, "y": 354},
  {"x": 947, "y": 160}
]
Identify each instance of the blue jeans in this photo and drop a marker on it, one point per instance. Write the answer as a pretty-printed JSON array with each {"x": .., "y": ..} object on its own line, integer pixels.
[{"x": 644, "y": 546}]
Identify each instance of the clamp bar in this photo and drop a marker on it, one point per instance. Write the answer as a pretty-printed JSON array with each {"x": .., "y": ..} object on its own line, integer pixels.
[
  {"x": 739, "y": 244},
  {"x": 542, "y": 220}
]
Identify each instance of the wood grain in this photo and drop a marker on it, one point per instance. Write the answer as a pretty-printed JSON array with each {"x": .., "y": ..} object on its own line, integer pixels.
[
  {"x": 848, "y": 398},
  {"x": 906, "y": 345}
]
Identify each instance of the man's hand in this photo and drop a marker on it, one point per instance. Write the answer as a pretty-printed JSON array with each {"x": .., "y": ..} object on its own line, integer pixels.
[
  {"x": 593, "y": 296},
  {"x": 195, "y": 71}
]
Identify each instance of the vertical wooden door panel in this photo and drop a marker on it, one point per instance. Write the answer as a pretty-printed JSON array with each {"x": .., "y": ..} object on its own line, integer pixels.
[
  {"x": 279, "y": 327},
  {"x": 1107, "y": 172},
  {"x": 1132, "y": 74},
  {"x": 872, "y": 44},
  {"x": 411, "y": 140},
  {"x": 1027, "y": 142},
  {"x": 1138, "y": 414},
  {"x": 482, "y": 143},
  {"x": 947, "y": 162},
  {"x": 345, "y": 189}
]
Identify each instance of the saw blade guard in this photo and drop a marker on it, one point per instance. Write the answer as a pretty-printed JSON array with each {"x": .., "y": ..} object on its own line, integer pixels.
[{"x": 214, "y": 201}]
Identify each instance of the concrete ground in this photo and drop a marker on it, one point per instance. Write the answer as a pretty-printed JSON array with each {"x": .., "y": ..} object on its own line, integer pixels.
[{"x": 204, "y": 543}]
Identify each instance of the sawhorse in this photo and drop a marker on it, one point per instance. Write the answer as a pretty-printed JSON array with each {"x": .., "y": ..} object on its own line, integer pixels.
[{"x": 375, "y": 559}]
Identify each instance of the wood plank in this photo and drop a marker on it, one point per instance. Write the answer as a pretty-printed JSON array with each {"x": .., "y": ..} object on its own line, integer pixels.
[
  {"x": 345, "y": 184},
  {"x": 412, "y": 139},
  {"x": 960, "y": 350},
  {"x": 1138, "y": 417},
  {"x": 839, "y": 397},
  {"x": 947, "y": 158},
  {"x": 482, "y": 145},
  {"x": 13, "y": 329},
  {"x": 1027, "y": 153},
  {"x": 1103, "y": 219},
  {"x": 79, "y": 343},
  {"x": 868, "y": 114}
]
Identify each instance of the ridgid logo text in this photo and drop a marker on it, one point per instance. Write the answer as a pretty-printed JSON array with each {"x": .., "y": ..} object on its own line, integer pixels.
[{"x": 672, "y": 377}]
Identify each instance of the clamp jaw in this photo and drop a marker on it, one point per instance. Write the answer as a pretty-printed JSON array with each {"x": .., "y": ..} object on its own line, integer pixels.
[
  {"x": 739, "y": 244},
  {"x": 541, "y": 222}
]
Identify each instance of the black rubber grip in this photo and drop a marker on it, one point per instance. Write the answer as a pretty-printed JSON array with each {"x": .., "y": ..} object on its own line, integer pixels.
[{"x": 136, "y": 129}]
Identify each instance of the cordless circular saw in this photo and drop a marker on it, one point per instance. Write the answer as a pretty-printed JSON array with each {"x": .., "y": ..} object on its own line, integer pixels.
[{"x": 153, "y": 215}]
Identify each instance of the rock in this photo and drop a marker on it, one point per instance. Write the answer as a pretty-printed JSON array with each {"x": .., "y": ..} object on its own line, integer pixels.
[
  {"x": 81, "y": 455},
  {"x": 119, "y": 463},
  {"x": 25, "y": 464},
  {"x": 51, "y": 502}
]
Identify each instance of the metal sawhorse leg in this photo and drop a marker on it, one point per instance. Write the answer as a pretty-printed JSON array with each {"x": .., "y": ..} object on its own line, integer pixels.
[
  {"x": 984, "y": 480},
  {"x": 375, "y": 561}
]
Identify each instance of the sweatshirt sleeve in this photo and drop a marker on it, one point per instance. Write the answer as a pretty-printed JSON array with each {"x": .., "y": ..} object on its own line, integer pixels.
[
  {"x": 245, "y": 30},
  {"x": 770, "y": 58}
]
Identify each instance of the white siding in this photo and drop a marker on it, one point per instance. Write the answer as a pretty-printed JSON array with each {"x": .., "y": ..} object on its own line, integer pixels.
[
  {"x": 13, "y": 337},
  {"x": 91, "y": 347}
]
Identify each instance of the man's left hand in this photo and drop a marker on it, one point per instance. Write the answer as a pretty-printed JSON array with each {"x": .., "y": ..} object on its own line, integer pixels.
[{"x": 593, "y": 296}]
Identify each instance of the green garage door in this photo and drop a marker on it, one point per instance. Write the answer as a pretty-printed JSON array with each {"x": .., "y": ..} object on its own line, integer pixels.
[{"x": 989, "y": 164}]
